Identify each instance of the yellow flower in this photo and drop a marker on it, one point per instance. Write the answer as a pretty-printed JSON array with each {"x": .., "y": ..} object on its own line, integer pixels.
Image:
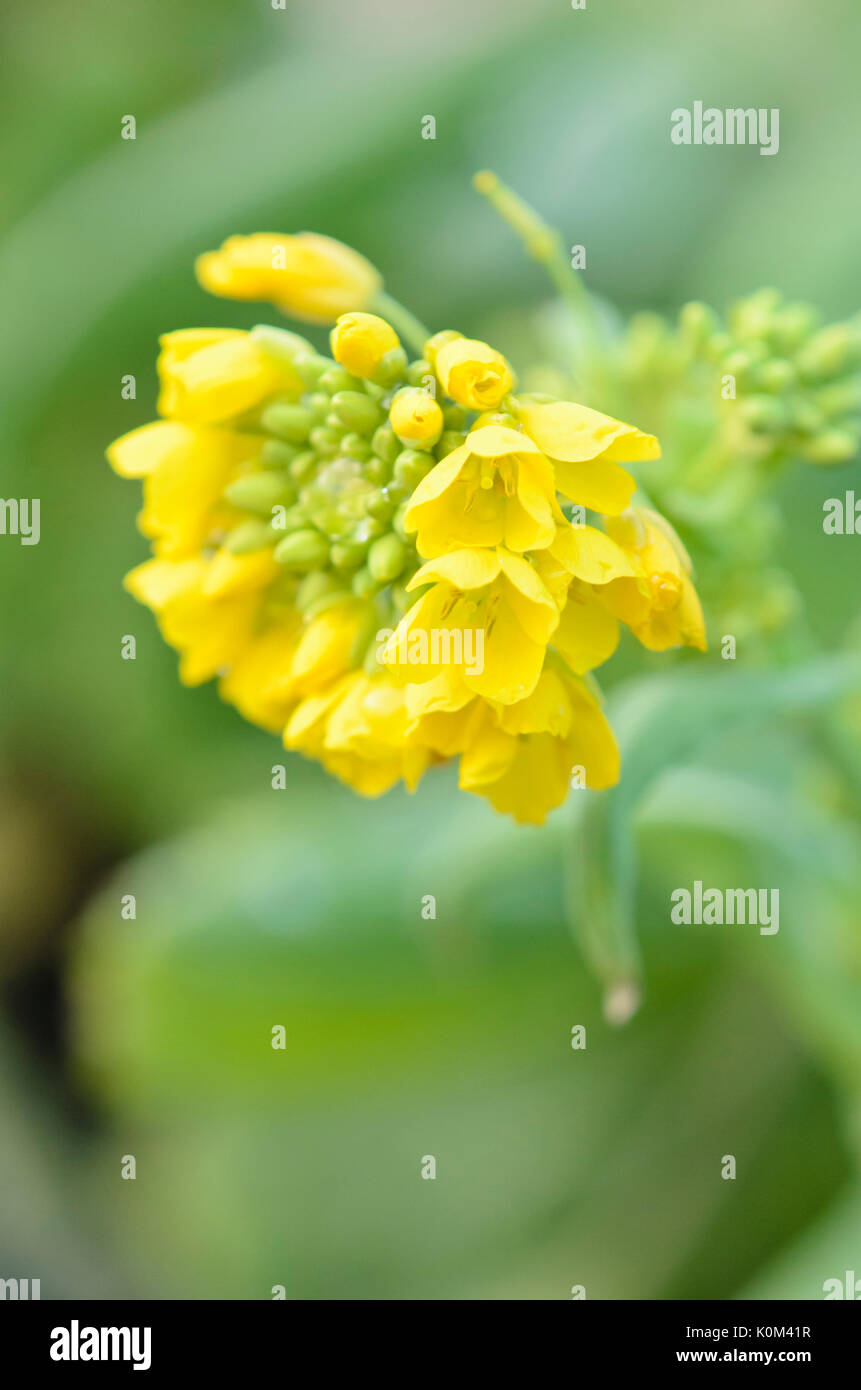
[
  {"x": 586, "y": 449},
  {"x": 415, "y": 417},
  {"x": 358, "y": 729},
  {"x": 484, "y": 624},
  {"x": 496, "y": 489},
  {"x": 209, "y": 630},
  {"x": 661, "y": 605},
  {"x": 521, "y": 757},
  {"x": 360, "y": 342},
  {"x": 212, "y": 376},
  {"x": 473, "y": 374},
  {"x": 260, "y": 682},
  {"x": 330, "y": 645},
  {"x": 307, "y": 276},
  {"x": 185, "y": 470},
  {"x": 280, "y": 501}
]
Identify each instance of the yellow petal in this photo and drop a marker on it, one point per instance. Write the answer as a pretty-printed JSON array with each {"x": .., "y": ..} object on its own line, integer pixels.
[
  {"x": 309, "y": 276},
  {"x": 141, "y": 451},
  {"x": 587, "y": 634},
  {"x": 590, "y": 555},
  {"x": 575, "y": 434},
  {"x": 512, "y": 660},
  {"x": 487, "y": 758},
  {"x": 601, "y": 486},
  {"x": 546, "y": 711},
  {"x": 463, "y": 569},
  {"x": 239, "y": 574},
  {"x": 528, "y": 598}
]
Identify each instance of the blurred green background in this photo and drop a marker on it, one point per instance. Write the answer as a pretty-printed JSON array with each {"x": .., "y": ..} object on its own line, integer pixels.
[{"x": 407, "y": 1037}]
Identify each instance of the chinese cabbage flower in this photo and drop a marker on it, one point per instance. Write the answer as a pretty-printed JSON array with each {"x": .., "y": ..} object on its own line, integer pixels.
[{"x": 389, "y": 563}]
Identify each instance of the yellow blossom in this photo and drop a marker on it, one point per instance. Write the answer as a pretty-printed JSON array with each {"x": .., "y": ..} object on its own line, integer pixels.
[
  {"x": 492, "y": 602},
  {"x": 496, "y": 489},
  {"x": 661, "y": 605},
  {"x": 586, "y": 449},
  {"x": 308, "y": 276},
  {"x": 360, "y": 342},
  {"x": 185, "y": 470},
  {"x": 357, "y": 727},
  {"x": 212, "y": 376},
  {"x": 521, "y": 757},
  {"x": 473, "y": 374},
  {"x": 415, "y": 417},
  {"x": 208, "y": 631}
]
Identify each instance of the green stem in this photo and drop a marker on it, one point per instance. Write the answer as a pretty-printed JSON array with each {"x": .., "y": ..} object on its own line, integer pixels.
[
  {"x": 405, "y": 324},
  {"x": 544, "y": 244}
]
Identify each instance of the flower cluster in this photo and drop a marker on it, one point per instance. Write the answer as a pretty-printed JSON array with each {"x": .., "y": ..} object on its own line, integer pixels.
[{"x": 331, "y": 537}]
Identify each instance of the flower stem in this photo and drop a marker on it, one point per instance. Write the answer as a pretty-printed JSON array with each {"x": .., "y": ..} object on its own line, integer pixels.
[
  {"x": 544, "y": 244},
  {"x": 405, "y": 324}
]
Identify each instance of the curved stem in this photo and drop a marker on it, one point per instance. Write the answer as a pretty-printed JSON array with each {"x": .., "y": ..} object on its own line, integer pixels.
[
  {"x": 405, "y": 324},
  {"x": 543, "y": 244}
]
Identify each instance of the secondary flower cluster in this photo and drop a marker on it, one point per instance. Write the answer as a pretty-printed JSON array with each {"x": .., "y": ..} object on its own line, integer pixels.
[{"x": 327, "y": 532}]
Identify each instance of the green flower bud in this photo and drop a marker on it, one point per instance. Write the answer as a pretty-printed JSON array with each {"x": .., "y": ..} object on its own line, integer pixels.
[
  {"x": 368, "y": 529},
  {"x": 357, "y": 411},
  {"x": 319, "y": 590},
  {"x": 738, "y": 363},
  {"x": 398, "y": 522},
  {"x": 402, "y": 599},
  {"x": 391, "y": 368},
  {"x": 348, "y": 554},
  {"x": 248, "y": 537},
  {"x": 386, "y": 444},
  {"x": 376, "y": 470},
  {"x": 397, "y": 492},
  {"x": 806, "y": 418},
  {"x": 698, "y": 324},
  {"x": 828, "y": 353},
  {"x": 753, "y": 317},
  {"x": 281, "y": 344},
  {"x": 355, "y": 446},
  {"x": 337, "y": 379},
  {"x": 455, "y": 417},
  {"x": 411, "y": 465},
  {"x": 775, "y": 375},
  {"x": 763, "y": 414},
  {"x": 320, "y": 404},
  {"x": 303, "y": 550},
  {"x": 260, "y": 492},
  {"x": 290, "y": 422},
  {"x": 840, "y": 398},
  {"x": 325, "y": 440},
  {"x": 418, "y": 372},
  {"x": 293, "y": 519},
  {"x": 304, "y": 466},
  {"x": 311, "y": 367},
  {"x": 380, "y": 506},
  {"x": 834, "y": 446},
  {"x": 718, "y": 345},
  {"x": 364, "y": 585},
  {"x": 792, "y": 326},
  {"x": 449, "y": 440},
  {"x": 276, "y": 454}
]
